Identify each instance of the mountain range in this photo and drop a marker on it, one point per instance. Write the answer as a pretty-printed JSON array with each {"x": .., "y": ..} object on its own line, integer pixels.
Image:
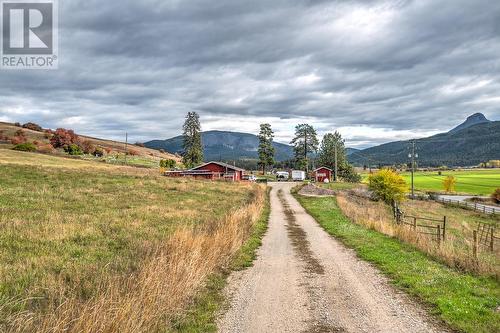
[{"x": 474, "y": 141}]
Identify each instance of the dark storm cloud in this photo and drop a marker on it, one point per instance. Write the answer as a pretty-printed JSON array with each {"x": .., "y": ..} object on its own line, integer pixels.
[{"x": 376, "y": 70}]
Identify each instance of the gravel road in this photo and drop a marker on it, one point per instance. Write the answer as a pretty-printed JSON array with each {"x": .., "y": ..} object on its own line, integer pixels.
[{"x": 306, "y": 281}]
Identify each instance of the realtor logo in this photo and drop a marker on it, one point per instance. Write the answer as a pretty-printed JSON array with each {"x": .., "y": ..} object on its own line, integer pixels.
[{"x": 29, "y": 34}]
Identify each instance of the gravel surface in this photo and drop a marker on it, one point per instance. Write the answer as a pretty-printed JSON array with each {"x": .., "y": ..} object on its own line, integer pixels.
[
  {"x": 313, "y": 190},
  {"x": 306, "y": 281}
]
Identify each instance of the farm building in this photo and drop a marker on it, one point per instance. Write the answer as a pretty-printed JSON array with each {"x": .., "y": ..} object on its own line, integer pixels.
[
  {"x": 211, "y": 171},
  {"x": 323, "y": 174}
]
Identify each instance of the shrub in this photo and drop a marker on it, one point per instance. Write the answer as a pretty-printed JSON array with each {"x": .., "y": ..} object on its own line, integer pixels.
[
  {"x": 87, "y": 147},
  {"x": 167, "y": 164},
  {"x": 18, "y": 140},
  {"x": 73, "y": 149},
  {"x": 449, "y": 184},
  {"x": 348, "y": 174},
  {"x": 388, "y": 186},
  {"x": 496, "y": 196},
  {"x": 45, "y": 148},
  {"x": 139, "y": 144},
  {"x": 133, "y": 152},
  {"x": 63, "y": 138},
  {"x": 33, "y": 127},
  {"x": 98, "y": 152},
  {"x": 27, "y": 146},
  {"x": 17, "y": 124}
]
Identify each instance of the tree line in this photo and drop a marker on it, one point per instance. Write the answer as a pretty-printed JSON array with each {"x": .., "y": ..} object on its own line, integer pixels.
[{"x": 308, "y": 151}]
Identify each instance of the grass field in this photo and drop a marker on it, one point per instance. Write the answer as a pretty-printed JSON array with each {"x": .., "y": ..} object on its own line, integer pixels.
[
  {"x": 467, "y": 303},
  {"x": 477, "y": 182},
  {"x": 86, "y": 234}
]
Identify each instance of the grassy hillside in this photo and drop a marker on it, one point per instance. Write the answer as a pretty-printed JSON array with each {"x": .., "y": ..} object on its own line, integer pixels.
[
  {"x": 140, "y": 156},
  {"x": 88, "y": 246}
]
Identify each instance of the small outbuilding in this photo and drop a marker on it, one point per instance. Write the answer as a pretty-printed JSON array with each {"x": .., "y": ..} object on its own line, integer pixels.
[
  {"x": 211, "y": 171},
  {"x": 322, "y": 175}
]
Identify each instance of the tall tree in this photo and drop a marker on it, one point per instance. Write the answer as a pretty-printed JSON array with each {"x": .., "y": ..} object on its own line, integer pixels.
[
  {"x": 305, "y": 142},
  {"x": 193, "y": 148},
  {"x": 266, "y": 149},
  {"x": 326, "y": 156}
]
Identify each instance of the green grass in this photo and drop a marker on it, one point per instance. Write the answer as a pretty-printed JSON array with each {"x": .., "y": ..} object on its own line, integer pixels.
[
  {"x": 201, "y": 316},
  {"x": 66, "y": 223},
  {"x": 465, "y": 302},
  {"x": 475, "y": 182}
]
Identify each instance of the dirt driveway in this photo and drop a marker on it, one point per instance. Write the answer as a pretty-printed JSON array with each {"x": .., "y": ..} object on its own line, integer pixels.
[{"x": 305, "y": 281}]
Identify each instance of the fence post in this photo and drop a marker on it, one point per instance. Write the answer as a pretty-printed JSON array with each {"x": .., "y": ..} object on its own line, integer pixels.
[
  {"x": 439, "y": 235},
  {"x": 414, "y": 224},
  {"x": 492, "y": 240},
  {"x": 475, "y": 205},
  {"x": 444, "y": 228},
  {"x": 474, "y": 246}
]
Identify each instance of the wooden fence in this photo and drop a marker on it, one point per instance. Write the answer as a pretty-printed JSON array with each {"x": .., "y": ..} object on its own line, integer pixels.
[
  {"x": 471, "y": 205},
  {"x": 425, "y": 226},
  {"x": 484, "y": 236}
]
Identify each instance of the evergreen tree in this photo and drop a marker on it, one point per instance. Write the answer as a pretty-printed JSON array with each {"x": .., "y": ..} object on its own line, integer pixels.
[
  {"x": 326, "y": 157},
  {"x": 305, "y": 142},
  {"x": 266, "y": 149},
  {"x": 193, "y": 148}
]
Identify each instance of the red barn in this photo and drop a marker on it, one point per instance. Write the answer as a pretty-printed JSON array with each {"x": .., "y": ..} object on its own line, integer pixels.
[
  {"x": 320, "y": 174},
  {"x": 211, "y": 171}
]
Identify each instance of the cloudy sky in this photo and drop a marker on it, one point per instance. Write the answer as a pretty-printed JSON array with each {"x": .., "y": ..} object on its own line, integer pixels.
[{"x": 375, "y": 70}]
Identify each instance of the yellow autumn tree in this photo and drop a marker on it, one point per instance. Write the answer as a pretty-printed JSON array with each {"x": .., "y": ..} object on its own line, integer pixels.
[
  {"x": 388, "y": 185},
  {"x": 449, "y": 184}
]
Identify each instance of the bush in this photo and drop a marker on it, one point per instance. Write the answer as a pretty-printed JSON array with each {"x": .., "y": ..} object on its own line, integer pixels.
[
  {"x": 349, "y": 175},
  {"x": 133, "y": 152},
  {"x": 496, "y": 196},
  {"x": 63, "y": 138},
  {"x": 45, "y": 148},
  {"x": 27, "y": 146},
  {"x": 33, "y": 127},
  {"x": 167, "y": 164},
  {"x": 98, "y": 152},
  {"x": 449, "y": 184},
  {"x": 139, "y": 144},
  {"x": 388, "y": 186},
  {"x": 17, "y": 124},
  {"x": 87, "y": 147},
  {"x": 18, "y": 139},
  {"x": 73, "y": 149}
]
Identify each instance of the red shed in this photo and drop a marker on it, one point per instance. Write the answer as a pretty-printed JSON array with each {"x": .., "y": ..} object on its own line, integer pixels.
[{"x": 320, "y": 174}]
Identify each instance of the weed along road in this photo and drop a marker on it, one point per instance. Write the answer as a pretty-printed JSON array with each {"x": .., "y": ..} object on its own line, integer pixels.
[{"x": 306, "y": 281}]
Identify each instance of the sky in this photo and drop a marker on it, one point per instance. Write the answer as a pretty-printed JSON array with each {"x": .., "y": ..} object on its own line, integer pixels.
[{"x": 377, "y": 71}]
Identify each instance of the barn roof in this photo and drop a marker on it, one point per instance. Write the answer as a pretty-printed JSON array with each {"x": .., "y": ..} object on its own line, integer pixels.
[
  {"x": 222, "y": 164},
  {"x": 322, "y": 168}
]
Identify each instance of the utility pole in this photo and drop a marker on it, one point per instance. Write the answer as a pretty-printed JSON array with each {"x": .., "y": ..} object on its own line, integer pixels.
[
  {"x": 413, "y": 156},
  {"x": 336, "y": 167},
  {"x": 126, "y": 146}
]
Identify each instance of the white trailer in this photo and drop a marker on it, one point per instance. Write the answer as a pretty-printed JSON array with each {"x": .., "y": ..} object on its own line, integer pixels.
[
  {"x": 282, "y": 175},
  {"x": 298, "y": 175}
]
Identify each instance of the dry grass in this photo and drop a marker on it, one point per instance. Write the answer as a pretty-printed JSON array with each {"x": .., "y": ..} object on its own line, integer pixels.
[
  {"x": 86, "y": 249},
  {"x": 456, "y": 251}
]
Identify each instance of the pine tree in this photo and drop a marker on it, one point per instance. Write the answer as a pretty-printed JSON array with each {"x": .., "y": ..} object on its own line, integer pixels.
[
  {"x": 326, "y": 157},
  {"x": 305, "y": 142},
  {"x": 266, "y": 149},
  {"x": 193, "y": 148}
]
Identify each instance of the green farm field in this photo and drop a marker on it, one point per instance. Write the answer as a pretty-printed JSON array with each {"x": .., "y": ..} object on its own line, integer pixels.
[{"x": 476, "y": 182}]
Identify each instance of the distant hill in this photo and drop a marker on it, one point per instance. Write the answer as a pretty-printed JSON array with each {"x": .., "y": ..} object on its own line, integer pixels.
[
  {"x": 475, "y": 119},
  {"x": 467, "y": 145},
  {"x": 350, "y": 151},
  {"x": 224, "y": 145}
]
